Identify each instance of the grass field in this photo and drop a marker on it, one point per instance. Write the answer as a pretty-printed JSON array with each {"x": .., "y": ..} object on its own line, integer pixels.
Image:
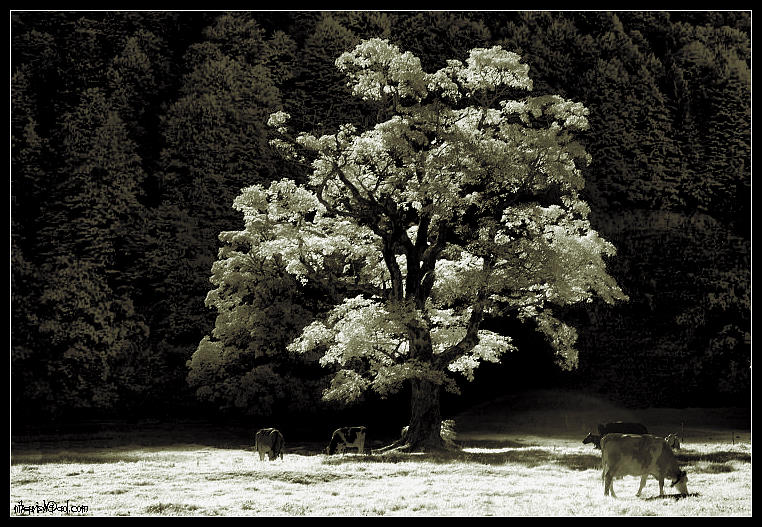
[{"x": 529, "y": 462}]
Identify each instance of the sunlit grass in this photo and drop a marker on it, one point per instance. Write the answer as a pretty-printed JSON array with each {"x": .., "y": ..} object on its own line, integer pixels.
[
  {"x": 562, "y": 480},
  {"x": 523, "y": 458}
]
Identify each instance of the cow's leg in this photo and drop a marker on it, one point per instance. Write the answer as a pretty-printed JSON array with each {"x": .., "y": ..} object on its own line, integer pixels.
[
  {"x": 661, "y": 486},
  {"x": 642, "y": 484},
  {"x": 608, "y": 486},
  {"x": 261, "y": 455}
]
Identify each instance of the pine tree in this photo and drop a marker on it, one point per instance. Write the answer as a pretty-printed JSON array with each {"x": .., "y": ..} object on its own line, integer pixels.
[
  {"x": 137, "y": 77},
  {"x": 215, "y": 142},
  {"x": 90, "y": 351},
  {"x": 92, "y": 342}
]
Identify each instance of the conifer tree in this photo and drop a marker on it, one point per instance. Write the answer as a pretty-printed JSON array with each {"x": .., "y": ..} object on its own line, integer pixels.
[{"x": 215, "y": 142}]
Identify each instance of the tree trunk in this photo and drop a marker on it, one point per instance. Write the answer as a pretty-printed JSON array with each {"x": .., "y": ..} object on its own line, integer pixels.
[{"x": 424, "y": 433}]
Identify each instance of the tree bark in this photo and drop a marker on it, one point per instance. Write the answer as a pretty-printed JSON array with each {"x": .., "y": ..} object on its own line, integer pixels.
[
  {"x": 425, "y": 414},
  {"x": 424, "y": 433}
]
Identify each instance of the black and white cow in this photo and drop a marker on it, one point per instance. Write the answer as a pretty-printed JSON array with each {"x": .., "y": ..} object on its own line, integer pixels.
[
  {"x": 269, "y": 441},
  {"x": 640, "y": 455},
  {"x": 347, "y": 437}
]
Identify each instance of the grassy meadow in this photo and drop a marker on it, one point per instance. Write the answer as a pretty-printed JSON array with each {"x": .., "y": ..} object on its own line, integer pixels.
[{"x": 514, "y": 462}]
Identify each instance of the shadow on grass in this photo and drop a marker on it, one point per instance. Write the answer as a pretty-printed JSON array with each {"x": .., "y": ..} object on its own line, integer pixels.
[
  {"x": 73, "y": 458},
  {"x": 530, "y": 457},
  {"x": 288, "y": 476},
  {"x": 675, "y": 497},
  {"x": 89, "y": 458},
  {"x": 492, "y": 443},
  {"x": 687, "y": 456},
  {"x": 713, "y": 468},
  {"x": 171, "y": 509},
  {"x": 534, "y": 457},
  {"x": 123, "y": 434}
]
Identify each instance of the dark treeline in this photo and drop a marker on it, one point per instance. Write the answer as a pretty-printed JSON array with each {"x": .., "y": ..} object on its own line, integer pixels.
[{"x": 133, "y": 132}]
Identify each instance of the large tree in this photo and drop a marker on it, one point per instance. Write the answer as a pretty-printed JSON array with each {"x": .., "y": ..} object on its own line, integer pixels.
[{"x": 460, "y": 204}]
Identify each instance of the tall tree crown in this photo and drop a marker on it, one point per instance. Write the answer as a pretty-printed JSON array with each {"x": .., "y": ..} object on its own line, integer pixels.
[{"x": 459, "y": 204}]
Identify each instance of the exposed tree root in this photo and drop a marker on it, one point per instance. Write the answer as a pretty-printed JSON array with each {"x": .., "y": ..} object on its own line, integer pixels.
[
  {"x": 444, "y": 443},
  {"x": 401, "y": 446}
]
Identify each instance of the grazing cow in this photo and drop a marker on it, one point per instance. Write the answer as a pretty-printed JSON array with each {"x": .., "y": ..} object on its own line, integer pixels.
[
  {"x": 347, "y": 437},
  {"x": 594, "y": 439},
  {"x": 639, "y": 455},
  {"x": 673, "y": 441},
  {"x": 269, "y": 441},
  {"x": 621, "y": 428}
]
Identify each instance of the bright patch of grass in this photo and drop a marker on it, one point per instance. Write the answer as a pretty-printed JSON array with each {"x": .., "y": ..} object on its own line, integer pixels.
[
  {"x": 507, "y": 467},
  {"x": 534, "y": 481}
]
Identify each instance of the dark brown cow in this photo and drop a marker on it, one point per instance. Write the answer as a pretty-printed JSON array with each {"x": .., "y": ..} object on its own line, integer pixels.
[
  {"x": 269, "y": 441},
  {"x": 640, "y": 455},
  {"x": 592, "y": 438},
  {"x": 621, "y": 427}
]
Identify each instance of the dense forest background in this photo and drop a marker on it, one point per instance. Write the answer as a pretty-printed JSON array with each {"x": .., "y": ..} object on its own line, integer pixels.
[{"x": 132, "y": 133}]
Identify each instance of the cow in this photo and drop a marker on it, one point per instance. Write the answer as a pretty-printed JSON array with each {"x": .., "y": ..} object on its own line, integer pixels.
[
  {"x": 640, "y": 455},
  {"x": 594, "y": 439},
  {"x": 673, "y": 441},
  {"x": 269, "y": 441},
  {"x": 347, "y": 437},
  {"x": 621, "y": 428}
]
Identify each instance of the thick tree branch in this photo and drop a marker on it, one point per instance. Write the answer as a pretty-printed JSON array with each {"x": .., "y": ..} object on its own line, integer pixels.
[
  {"x": 471, "y": 338},
  {"x": 429, "y": 260},
  {"x": 390, "y": 259}
]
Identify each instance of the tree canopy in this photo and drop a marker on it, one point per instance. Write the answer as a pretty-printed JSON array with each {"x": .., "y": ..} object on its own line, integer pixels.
[{"x": 462, "y": 203}]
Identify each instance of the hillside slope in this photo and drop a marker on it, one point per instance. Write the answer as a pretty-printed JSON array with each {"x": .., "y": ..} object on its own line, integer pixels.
[{"x": 553, "y": 416}]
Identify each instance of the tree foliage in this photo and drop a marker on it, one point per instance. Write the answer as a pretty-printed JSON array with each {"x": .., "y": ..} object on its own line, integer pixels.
[{"x": 463, "y": 202}]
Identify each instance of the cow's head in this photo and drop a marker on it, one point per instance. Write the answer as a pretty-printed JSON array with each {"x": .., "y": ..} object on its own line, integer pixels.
[
  {"x": 594, "y": 439},
  {"x": 334, "y": 448},
  {"x": 673, "y": 441},
  {"x": 681, "y": 483}
]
